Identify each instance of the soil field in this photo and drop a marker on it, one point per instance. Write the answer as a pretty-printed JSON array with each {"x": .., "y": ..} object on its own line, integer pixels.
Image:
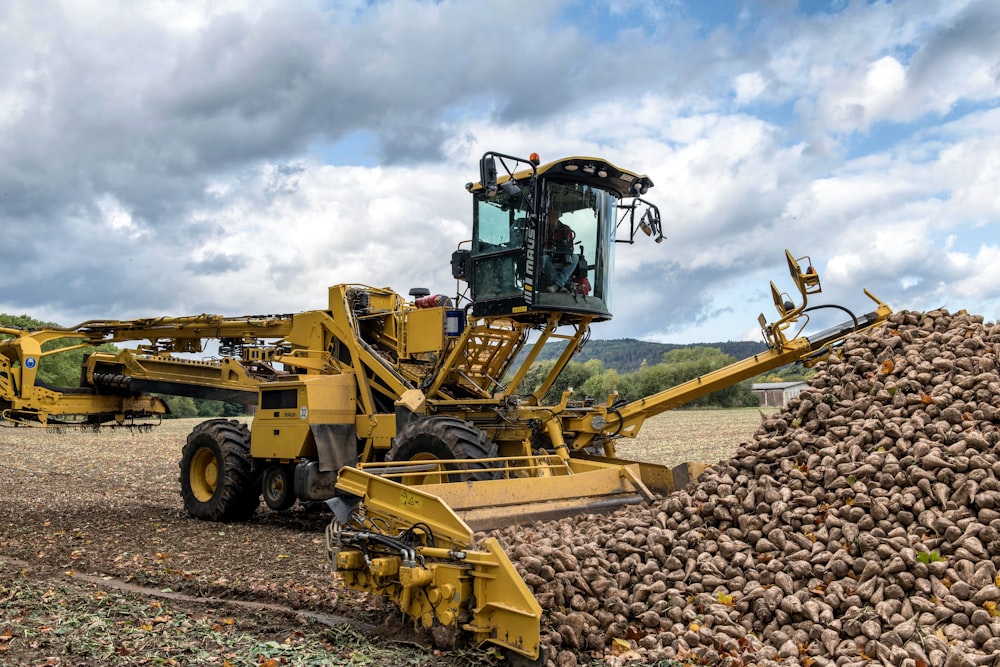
[{"x": 100, "y": 564}]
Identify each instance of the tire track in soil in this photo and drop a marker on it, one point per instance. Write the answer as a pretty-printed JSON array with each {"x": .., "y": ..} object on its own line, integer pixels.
[{"x": 330, "y": 620}]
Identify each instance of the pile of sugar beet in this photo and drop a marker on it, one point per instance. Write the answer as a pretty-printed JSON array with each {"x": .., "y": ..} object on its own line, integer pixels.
[{"x": 860, "y": 525}]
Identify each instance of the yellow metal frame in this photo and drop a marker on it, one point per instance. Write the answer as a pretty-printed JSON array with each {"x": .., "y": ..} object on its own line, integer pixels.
[
  {"x": 532, "y": 488},
  {"x": 452, "y": 576}
]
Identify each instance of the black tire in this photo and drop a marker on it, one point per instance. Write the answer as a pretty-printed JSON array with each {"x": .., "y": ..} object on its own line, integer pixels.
[
  {"x": 278, "y": 485},
  {"x": 435, "y": 438},
  {"x": 217, "y": 477}
]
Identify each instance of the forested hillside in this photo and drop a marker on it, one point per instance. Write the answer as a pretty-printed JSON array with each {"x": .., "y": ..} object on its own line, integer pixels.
[
  {"x": 636, "y": 369},
  {"x": 627, "y": 355}
]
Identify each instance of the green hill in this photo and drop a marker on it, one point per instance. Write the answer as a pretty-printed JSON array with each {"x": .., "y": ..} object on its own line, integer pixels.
[{"x": 627, "y": 355}]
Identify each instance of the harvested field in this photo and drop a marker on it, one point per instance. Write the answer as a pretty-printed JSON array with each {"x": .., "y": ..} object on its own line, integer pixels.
[
  {"x": 100, "y": 565},
  {"x": 693, "y": 435},
  {"x": 859, "y": 525}
]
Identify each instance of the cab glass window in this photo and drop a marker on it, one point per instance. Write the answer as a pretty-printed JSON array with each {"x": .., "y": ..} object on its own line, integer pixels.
[
  {"x": 499, "y": 228},
  {"x": 577, "y": 247}
]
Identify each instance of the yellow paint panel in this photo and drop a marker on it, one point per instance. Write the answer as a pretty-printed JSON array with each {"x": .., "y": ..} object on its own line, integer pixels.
[
  {"x": 424, "y": 330},
  {"x": 331, "y": 399}
]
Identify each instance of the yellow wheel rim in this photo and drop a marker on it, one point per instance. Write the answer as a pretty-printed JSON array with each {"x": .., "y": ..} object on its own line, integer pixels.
[
  {"x": 204, "y": 474},
  {"x": 425, "y": 478},
  {"x": 276, "y": 486}
]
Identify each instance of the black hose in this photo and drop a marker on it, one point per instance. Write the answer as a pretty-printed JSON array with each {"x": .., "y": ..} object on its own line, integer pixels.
[
  {"x": 833, "y": 305},
  {"x": 409, "y": 536}
]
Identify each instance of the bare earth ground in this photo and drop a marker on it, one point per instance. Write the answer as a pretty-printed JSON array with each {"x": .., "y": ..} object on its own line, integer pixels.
[{"x": 100, "y": 564}]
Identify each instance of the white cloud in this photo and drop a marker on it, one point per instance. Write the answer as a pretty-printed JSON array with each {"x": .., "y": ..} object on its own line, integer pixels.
[
  {"x": 322, "y": 225},
  {"x": 749, "y": 87},
  {"x": 117, "y": 217},
  {"x": 191, "y": 136},
  {"x": 980, "y": 276}
]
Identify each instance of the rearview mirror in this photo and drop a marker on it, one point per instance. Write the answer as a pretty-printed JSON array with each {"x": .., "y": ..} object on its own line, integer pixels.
[
  {"x": 488, "y": 174},
  {"x": 648, "y": 222}
]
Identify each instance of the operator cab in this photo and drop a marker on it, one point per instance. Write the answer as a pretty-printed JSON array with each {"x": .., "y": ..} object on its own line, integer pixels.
[{"x": 543, "y": 236}]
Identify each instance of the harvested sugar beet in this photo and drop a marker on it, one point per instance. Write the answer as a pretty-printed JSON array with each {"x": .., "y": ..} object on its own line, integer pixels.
[{"x": 862, "y": 522}]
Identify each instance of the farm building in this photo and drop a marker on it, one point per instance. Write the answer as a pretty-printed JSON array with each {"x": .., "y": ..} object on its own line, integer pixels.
[{"x": 777, "y": 394}]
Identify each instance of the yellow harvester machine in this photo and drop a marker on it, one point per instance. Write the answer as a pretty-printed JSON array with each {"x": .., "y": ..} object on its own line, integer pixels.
[{"x": 405, "y": 413}]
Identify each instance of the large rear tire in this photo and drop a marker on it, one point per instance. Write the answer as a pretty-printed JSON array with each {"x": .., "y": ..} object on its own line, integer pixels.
[
  {"x": 217, "y": 477},
  {"x": 437, "y": 438}
]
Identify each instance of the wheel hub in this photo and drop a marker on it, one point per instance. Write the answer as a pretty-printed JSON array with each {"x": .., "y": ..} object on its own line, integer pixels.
[{"x": 204, "y": 475}]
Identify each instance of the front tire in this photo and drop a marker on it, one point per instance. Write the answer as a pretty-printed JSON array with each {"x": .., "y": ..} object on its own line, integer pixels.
[
  {"x": 217, "y": 478},
  {"x": 435, "y": 438}
]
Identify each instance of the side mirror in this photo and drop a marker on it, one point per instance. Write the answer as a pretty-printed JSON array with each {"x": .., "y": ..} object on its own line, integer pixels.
[
  {"x": 644, "y": 224},
  {"x": 649, "y": 224},
  {"x": 461, "y": 265},
  {"x": 488, "y": 174}
]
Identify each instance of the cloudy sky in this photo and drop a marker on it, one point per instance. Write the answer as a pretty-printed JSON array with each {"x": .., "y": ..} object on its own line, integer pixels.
[{"x": 237, "y": 157}]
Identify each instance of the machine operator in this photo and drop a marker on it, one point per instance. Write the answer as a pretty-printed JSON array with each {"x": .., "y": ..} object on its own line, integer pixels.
[{"x": 559, "y": 260}]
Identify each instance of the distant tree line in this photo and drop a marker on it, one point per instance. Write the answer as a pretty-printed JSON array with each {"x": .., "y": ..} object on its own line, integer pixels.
[
  {"x": 63, "y": 369},
  {"x": 627, "y": 355},
  {"x": 592, "y": 379}
]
